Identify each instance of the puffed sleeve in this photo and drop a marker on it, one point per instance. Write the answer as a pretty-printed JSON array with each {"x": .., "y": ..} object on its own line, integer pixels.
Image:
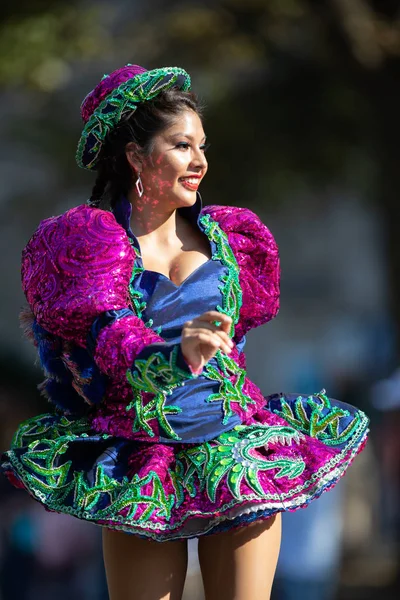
[
  {"x": 76, "y": 270},
  {"x": 257, "y": 256}
]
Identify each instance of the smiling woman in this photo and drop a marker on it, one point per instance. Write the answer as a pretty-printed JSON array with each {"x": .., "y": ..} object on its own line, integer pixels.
[{"x": 140, "y": 304}]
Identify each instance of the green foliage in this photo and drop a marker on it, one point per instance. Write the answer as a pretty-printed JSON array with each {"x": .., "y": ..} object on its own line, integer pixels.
[{"x": 38, "y": 49}]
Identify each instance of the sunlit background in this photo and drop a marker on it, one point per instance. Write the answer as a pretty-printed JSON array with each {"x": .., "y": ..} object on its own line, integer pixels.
[{"x": 302, "y": 112}]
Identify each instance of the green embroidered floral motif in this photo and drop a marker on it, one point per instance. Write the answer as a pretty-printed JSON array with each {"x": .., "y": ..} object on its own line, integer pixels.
[
  {"x": 324, "y": 427},
  {"x": 43, "y": 426},
  {"x": 142, "y": 504},
  {"x": 228, "y": 391},
  {"x": 231, "y": 290},
  {"x": 154, "y": 409},
  {"x": 158, "y": 373},
  {"x": 230, "y": 455},
  {"x": 87, "y": 495},
  {"x": 156, "y": 502}
]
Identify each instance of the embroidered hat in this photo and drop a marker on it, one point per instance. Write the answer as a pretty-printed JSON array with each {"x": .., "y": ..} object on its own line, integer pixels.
[{"x": 117, "y": 95}]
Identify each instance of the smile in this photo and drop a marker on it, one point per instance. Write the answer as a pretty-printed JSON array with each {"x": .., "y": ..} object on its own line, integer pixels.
[{"x": 191, "y": 183}]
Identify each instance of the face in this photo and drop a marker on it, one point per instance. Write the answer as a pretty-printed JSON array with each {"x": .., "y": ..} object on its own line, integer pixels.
[{"x": 172, "y": 173}]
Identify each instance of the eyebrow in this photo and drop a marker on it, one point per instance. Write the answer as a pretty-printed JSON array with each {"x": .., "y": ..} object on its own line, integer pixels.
[{"x": 187, "y": 135}]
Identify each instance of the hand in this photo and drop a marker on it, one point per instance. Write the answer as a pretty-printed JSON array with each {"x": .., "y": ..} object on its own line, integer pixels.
[{"x": 201, "y": 339}]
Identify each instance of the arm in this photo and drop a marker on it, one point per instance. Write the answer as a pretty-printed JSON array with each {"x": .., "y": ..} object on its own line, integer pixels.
[
  {"x": 75, "y": 274},
  {"x": 257, "y": 256}
]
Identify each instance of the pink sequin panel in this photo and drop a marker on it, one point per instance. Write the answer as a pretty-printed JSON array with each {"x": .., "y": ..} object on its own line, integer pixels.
[
  {"x": 257, "y": 255},
  {"x": 75, "y": 267},
  {"x": 119, "y": 344}
]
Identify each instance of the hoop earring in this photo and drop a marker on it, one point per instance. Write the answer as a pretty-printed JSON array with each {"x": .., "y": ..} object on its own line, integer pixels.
[{"x": 139, "y": 186}]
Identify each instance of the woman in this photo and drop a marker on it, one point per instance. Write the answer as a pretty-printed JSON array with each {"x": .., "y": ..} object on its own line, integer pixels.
[{"x": 141, "y": 302}]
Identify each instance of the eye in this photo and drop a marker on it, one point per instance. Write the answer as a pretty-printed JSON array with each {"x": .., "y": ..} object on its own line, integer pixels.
[
  {"x": 204, "y": 147},
  {"x": 183, "y": 145}
]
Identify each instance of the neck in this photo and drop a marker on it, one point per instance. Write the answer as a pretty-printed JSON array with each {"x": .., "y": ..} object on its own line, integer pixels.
[{"x": 158, "y": 223}]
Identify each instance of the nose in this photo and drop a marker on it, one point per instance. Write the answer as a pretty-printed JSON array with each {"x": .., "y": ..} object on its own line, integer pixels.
[{"x": 199, "y": 160}]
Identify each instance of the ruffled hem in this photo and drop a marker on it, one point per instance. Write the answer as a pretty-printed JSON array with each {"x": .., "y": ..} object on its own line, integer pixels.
[{"x": 166, "y": 492}]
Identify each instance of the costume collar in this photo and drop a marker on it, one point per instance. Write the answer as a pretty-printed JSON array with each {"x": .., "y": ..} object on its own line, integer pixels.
[{"x": 123, "y": 211}]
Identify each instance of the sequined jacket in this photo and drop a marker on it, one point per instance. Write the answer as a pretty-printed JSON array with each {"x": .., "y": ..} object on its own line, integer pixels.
[{"x": 101, "y": 359}]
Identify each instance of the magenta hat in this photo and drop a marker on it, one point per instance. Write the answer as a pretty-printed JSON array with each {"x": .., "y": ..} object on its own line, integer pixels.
[{"x": 116, "y": 95}]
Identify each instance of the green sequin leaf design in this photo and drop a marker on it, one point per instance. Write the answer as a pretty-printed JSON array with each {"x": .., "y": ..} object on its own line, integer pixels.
[
  {"x": 229, "y": 391},
  {"x": 322, "y": 427},
  {"x": 45, "y": 426},
  {"x": 158, "y": 373},
  {"x": 136, "y": 296},
  {"x": 154, "y": 409},
  {"x": 230, "y": 456},
  {"x": 46, "y": 479},
  {"x": 230, "y": 288},
  {"x": 156, "y": 502}
]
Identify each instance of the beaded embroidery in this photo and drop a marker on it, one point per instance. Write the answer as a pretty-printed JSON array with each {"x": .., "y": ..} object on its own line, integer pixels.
[
  {"x": 159, "y": 376},
  {"x": 157, "y": 373},
  {"x": 229, "y": 391},
  {"x": 136, "y": 501},
  {"x": 231, "y": 456},
  {"x": 131, "y": 504},
  {"x": 135, "y": 295},
  {"x": 230, "y": 288},
  {"x": 121, "y": 100},
  {"x": 324, "y": 420}
]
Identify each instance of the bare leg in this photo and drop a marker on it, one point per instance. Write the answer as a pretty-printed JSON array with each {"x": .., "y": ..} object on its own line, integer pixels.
[
  {"x": 139, "y": 569},
  {"x": 240, "y": 564}
]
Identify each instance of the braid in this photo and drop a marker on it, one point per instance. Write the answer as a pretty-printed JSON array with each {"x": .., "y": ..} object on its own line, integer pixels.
[
  {"x": 114, "y": 178},
  {"x": 99, "y": 187}
]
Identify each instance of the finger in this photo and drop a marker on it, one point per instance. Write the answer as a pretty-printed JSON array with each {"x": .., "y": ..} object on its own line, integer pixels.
[
  {"x": 214, "y": 315},
  {"x": 199, "y": 324},
  {"x": 227, "y": 343},
  {"x": 204, "y": 336},
  {"x": 218, "y": 340}
]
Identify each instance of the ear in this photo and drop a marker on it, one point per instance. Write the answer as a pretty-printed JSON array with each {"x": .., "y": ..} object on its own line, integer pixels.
[{"x": 134, "y": 157}]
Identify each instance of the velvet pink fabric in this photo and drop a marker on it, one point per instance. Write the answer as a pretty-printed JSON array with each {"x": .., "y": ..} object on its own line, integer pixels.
[{"x": 75, "y": 267}]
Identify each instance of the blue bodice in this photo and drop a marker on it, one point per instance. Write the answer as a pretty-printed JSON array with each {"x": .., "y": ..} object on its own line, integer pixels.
[{"x": 167, "y": 308}]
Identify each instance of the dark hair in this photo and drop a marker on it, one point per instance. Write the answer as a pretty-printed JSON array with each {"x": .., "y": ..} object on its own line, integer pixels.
[{"x": 114, "y": 173}]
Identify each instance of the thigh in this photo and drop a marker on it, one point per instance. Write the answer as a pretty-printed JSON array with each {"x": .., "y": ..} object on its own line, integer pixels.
[
  {"x": 240, "y": 564},
  {"x": 140, "y": 569}
]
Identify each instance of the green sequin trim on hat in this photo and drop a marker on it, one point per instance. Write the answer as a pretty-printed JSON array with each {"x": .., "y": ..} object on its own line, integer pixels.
[{"x": 124, "y": 99}]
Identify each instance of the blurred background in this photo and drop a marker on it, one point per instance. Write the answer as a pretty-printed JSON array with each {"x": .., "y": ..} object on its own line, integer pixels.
[{"x": 302, "y": 110}]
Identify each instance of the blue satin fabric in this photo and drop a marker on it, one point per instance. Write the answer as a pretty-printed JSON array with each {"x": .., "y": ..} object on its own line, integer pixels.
[{"x": 170, "y": 306}]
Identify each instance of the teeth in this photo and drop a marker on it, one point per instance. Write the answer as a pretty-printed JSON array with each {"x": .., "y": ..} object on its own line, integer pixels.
[{"x": 193, "y": 181}]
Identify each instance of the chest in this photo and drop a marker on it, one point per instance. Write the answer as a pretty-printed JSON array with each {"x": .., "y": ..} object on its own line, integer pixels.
[
  {"x": 210, "y": 277},
  {"x": 178, "y": 261}
]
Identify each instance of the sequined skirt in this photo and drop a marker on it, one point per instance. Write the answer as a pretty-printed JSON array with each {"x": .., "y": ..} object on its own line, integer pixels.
[{"x": 281, "y": 458}]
